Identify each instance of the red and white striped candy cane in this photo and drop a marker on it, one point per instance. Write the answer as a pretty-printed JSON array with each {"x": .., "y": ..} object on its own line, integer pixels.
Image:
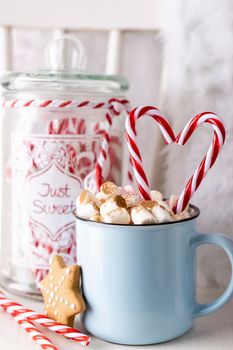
[
  {"x": 131, "y": 134},
  {"x": 30, "y": 328},
  {"x": 36, "y": 335},
  {"x": 22, "y": 313},
  {"x": 103, "y": 151},
  {"x": 116, "y": 107},
  {"x": 66, "y": 126},
  {"x": 209, "y": 159},
  {"x": 40, "y": 274}
]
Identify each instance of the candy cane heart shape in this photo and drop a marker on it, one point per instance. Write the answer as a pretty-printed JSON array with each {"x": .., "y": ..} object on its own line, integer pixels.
[
  {"x": 208, "y": 160},
  {"x": 131, "y": 136}
]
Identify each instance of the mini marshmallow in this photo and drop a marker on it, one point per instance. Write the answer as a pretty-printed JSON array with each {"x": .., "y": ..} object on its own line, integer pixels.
[
  {"x": 88, "y": 197},
  {"x": 172, "y": 200},
  {"x": 107, "y": 189},
  {"x": 132, "y": 200},
  {"x": 118, "y": 216},
  {"x": 166, "y": 207},
  {"x": 86, "y": 211},
  {"x": 161, "y": 214},
  {"x": 148, "y": 204},
  {"x": 156, "y": 195},
  {"x": 96, "y": 218},
  {"x": 112, "y": 203},
  {"x": 120, "y": 205},
  {"x": 140, "y": 216}
]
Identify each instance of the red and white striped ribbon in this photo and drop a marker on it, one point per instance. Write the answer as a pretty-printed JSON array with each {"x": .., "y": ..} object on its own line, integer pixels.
[
  {"x": 209, "y": 159},
  {"x": 131, "y": 135},
  {"x": 113, "y": 104},
  {"x": 22, "y": 313}
]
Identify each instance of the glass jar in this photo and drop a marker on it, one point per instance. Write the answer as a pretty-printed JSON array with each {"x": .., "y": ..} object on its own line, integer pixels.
[{"x": 54, "y": 122}]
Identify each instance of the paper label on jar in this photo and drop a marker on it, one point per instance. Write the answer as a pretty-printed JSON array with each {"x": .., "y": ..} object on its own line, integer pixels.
[{"x": 47, "y": 174}]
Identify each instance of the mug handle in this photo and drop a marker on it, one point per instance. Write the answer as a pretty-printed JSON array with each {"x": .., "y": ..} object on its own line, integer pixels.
[{"x": 226, "y": 244}]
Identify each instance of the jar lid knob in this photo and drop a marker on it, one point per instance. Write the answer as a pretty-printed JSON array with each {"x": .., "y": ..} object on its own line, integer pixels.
[{"x": 65, "y": 53}]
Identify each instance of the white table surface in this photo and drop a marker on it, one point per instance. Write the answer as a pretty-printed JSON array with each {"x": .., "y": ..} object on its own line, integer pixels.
[{"x": 213, "y": 332}]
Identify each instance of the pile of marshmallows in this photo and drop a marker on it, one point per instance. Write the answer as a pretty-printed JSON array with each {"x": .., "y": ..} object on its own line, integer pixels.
[{"x": 117, "y": 205}]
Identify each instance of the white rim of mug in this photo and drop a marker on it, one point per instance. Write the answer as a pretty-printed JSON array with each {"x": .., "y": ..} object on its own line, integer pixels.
[{"x": 196, "y": 209}]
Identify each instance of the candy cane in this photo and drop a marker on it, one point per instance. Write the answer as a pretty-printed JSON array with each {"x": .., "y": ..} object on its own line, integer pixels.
[
  {"x": 209, "y": 159},
  {"x": 130, "y": 126},
  {"x": 22, "y": 313},
  {"x": 116, "y": 108},
  {"x": 95, "y": 179},
  {"x": 40, "y": 274},
  {"x": 68, "y": 126},
  {"x": 35, "y": 334},
  {"x": 103, "y": 151},
  {"x": 65, "y": 126},
  {"x": 30, "y": 328}
]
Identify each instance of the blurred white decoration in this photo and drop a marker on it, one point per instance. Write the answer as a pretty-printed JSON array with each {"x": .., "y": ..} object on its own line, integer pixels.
[{"x": 198, "y": 76}]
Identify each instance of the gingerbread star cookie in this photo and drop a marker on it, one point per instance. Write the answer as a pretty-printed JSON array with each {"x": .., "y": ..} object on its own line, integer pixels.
[{"x": 61, "y": 292}]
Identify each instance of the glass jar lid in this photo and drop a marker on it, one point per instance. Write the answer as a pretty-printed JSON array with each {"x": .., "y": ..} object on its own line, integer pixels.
[{"x": 65, "y": 59}]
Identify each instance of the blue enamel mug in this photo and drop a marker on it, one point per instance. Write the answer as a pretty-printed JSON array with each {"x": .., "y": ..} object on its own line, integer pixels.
[{"x": 139, "y": 281}]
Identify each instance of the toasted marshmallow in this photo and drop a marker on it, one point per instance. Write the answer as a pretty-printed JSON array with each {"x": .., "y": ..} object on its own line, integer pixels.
[
  {"x": 107, "y": 189},
  {"x": 140, "y": 216},
  {"x": 96, "y": 218},
  {"x": 148, "y": 204},
  {"x": 86, "y": 211},
  {"x": 166, "y": 207},
  {"x": 117, "y": 216},
  {"x": 161, "y": 214},
  {"x": 156, "y": 195},
  {"x": 112, "y": 203},
  {"x": 121, "y": 205},
  {"x": 88, "y": 197},
  {"x": 132, "y": 200}
]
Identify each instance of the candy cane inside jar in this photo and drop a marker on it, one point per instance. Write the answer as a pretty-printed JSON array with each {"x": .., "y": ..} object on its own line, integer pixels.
[{"x": 54, "y": 132}]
